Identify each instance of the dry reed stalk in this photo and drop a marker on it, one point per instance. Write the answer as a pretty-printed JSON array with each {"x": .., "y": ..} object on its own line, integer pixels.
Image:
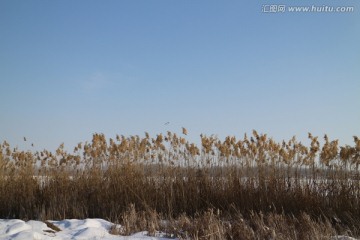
[{"x": 170, "y": 176}]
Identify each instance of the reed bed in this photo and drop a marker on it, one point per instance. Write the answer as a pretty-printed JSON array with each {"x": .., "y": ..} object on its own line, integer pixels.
[{"x": 249, "y": 188}]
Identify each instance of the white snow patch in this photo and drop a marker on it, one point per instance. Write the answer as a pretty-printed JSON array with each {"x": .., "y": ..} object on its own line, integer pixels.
[{"x": 89, "y": 229}]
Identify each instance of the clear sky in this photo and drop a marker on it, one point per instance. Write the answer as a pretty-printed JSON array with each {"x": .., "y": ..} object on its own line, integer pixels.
[{"x": 69, "y": 69}]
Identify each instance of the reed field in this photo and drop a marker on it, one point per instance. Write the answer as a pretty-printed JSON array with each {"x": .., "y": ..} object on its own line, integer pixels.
[{"x": 249, "y": 188}]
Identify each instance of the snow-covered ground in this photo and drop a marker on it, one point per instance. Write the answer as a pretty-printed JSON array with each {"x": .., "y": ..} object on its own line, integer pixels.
[{"x": 89, "y": 229}]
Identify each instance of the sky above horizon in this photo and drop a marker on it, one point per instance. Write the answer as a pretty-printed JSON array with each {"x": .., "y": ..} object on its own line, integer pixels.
[{"x": 69, "y": 69}]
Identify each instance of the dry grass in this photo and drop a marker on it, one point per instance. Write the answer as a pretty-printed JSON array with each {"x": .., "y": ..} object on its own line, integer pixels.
[{"x": 253, "y": 188}]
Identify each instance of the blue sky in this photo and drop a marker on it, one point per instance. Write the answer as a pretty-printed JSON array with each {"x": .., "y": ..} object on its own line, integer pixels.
[{"x": 69, "y": 69}]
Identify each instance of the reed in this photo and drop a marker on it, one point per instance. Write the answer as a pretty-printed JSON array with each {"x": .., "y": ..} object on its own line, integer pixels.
[{"x": 224, "y": 188}]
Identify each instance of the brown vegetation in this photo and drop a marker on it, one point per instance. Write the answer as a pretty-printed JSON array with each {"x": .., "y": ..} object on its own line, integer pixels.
[{"x": 253, "y": 188}]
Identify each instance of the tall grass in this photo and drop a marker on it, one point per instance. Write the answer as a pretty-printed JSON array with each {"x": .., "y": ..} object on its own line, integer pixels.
[{"x": 253, "y": 183}]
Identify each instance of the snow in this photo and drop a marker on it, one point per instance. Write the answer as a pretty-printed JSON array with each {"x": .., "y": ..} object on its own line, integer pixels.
[{"x": 90, "y": 229}]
